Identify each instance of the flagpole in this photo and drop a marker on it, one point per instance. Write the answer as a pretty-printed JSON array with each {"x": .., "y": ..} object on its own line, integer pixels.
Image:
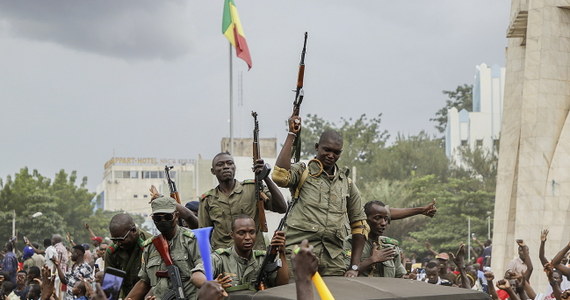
[{"x": 231, "y": 103}]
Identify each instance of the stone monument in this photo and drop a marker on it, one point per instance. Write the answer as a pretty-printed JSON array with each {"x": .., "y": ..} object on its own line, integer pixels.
[{"x": 533, "y": 181}]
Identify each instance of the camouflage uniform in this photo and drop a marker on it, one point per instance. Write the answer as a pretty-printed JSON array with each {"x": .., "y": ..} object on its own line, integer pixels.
[
  {"x": 121, "y": 259},
  {"x": 185, "y": 255},
  {"x": 217, "y": 210},
  {"x": 390, "y": 268},
  {"x": 242, "y": 271},
  {"x": 320, "y": 214}
]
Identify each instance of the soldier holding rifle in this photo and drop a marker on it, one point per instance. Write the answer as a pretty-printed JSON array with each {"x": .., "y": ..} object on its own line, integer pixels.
[
  {"x": 231, "y": 198},
  {"x": 175, "y": 249}
]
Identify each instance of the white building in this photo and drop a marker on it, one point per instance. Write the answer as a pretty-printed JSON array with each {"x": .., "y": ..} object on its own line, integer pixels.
[
  {"x": 126, "y": 182},
  {"x": 482, "y": 126}
]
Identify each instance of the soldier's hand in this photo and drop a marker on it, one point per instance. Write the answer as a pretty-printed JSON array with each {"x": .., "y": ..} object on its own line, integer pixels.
[
  {"x": 382, "y": 254},
  {"x": 225, "y": 281},
  {"x": 279, "y": 240},
  {"x": 489, "y": 276},
  {"x": 261, "y": 167},
  {"x": 294, "y": 124}
]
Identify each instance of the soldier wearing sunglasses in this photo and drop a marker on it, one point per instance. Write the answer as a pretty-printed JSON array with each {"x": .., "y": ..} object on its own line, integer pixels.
[
  {"x": 183, "y": 247},
  {"x": 126, "y": 250}
]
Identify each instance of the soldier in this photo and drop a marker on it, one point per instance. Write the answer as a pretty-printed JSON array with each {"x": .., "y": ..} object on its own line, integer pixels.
[
  {"x": 327, "y": 197},
  {"x": 381, "y": 256},
  {"x": 239, "y": 264},
  {"x": 183, "y": 248},
  {"x": 126, "y": 250},
  {"x": 231, "y": 198}
]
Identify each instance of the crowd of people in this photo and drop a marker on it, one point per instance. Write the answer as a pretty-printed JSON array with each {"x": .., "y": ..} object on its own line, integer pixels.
[{"x": 329, "y": 229}]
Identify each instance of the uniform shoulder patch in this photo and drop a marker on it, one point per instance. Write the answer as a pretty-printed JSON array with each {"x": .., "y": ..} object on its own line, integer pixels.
[
  {"x": 223, "y": 251},
  {"x": 187, "y": 232},
  {"x": 258, "y": 253},
  {"x": 147, "y": 242},
  {"x": 206, "y": 194},
  {"x": 248, "y": 181},
  {"x": 389, "y": 240}
]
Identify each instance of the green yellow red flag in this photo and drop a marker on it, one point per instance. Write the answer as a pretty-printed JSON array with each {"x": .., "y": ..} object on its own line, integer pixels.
[{"x": 232, "y": 29}]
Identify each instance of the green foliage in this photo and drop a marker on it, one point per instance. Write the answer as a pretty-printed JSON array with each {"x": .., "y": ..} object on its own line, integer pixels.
[
  {"x": 410, "y": 156},
  {"x": 63, "y": 204},
  {"x": 458, "y": 199},
  {"x": 461, "y": 98},
  {"x": 479, "y": 163}
]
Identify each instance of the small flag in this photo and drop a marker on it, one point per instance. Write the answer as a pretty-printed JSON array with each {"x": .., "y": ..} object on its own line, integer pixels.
[{"x": 231, "y": 28}]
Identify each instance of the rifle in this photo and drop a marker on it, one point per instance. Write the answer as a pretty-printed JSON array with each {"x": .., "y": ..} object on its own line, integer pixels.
[
  {"x": 299, "y": 94},
  {"x": 260, "y": 196},
  {"x": 172, "y": 187},
  {"x": 172, "y": 271},
  {"x": 171, "y": 184}
]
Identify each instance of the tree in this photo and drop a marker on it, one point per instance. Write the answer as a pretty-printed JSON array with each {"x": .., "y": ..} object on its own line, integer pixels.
[
  {"x": 416, "y": 155},
  {"x": 63, "y": 204},
  {"x": 458, "y": 199},
  {"x": 461, "y": 98}
]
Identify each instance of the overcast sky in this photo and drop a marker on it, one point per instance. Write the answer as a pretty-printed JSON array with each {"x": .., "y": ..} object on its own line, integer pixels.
[{"x": 81, "y": 81}]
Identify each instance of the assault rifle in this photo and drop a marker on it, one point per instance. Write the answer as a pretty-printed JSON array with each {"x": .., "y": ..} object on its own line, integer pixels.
[
  {"x": 171, "y": 184},
  {"x": 260, "y": 196},
  {"x": 172, "y": 187},
  {"x": 172, "y": 271},
  {"x": 299, "y": 94}
]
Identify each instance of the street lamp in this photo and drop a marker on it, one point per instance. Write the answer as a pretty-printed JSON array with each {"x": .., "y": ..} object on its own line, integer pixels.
[{"x": 37, "y": 214}]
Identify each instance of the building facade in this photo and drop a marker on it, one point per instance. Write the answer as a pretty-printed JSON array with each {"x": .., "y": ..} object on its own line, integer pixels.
[{"x": 482, "y": 126}]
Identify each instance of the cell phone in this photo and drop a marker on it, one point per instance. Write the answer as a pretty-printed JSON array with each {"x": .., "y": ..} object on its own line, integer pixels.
[{"x": 112, "y": 282}]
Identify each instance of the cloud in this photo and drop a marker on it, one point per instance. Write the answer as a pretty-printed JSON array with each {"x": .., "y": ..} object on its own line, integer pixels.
[{"x": 128, "y": 29}]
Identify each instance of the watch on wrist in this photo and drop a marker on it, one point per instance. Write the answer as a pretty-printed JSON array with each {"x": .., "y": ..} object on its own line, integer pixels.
[{"x": 354, "y": 267}]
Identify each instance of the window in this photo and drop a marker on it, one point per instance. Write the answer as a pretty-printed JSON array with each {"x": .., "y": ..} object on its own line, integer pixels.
[
  {"x": 479, "y": 143},
  {"x": 153, "y": 174},
  {"x": 135, "y": 196},
  {"x": 126, "y": 174},
  {"x": 463, "y": 142}
]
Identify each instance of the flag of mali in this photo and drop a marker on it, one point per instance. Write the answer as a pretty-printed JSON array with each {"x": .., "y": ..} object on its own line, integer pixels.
[{"x": 231, "y": 28}]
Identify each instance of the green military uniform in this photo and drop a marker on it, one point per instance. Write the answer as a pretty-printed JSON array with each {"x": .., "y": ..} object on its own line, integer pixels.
[
  {"x": 391, "y": 268},
  {"x": 185, "y": 255},
  {"x": 217, "y": 210},
  {"x": 320, "y": 214},
  {"x": 242, "y": 271},
  {"x": 130, "y": 262}
]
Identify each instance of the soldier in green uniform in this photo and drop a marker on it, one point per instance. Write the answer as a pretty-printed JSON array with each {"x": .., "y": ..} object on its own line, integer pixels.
[
  {"x": 126, "y": 250},
  {"x": 238, "y": 266},
  {"x": 183, "y": 248},
  {"x": 231, "y": 198},
  {"x": 327, "y": 197},
  {"x": 381, "y": 256}
]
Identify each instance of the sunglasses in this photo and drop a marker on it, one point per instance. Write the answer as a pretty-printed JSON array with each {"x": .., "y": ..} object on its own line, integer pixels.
[
  {"x": 165, "y": 217},
  {"x": 115, "y": 239}
]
